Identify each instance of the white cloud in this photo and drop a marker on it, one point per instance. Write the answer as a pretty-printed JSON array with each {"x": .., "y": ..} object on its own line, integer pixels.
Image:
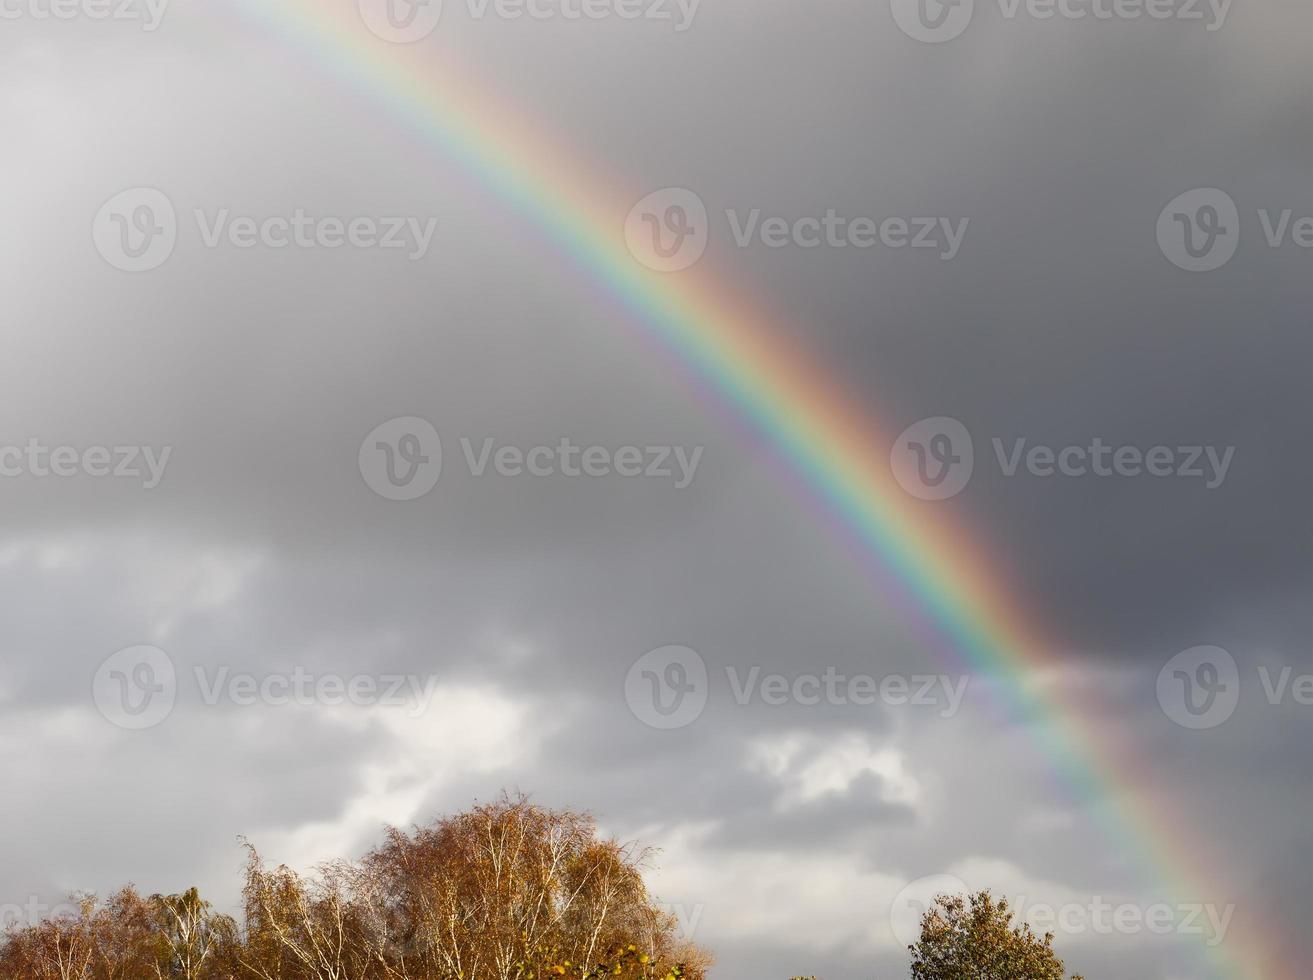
[
  {"x": 825, "y": 903},
  {"x": 811, "y": 766},
  {"x": 465, "y": 731}
]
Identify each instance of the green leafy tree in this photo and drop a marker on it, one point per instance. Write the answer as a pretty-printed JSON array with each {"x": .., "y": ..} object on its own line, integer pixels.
[{"x": 973, "y": 938}]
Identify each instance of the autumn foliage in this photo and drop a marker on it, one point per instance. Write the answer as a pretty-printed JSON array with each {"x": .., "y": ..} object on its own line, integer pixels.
[
  {"x": 507, "y": 891},
  {"x": 973, "y": 938}
]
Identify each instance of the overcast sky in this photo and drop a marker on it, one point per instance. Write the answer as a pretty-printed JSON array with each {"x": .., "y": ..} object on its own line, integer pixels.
[{"x": 263, "y": 543}]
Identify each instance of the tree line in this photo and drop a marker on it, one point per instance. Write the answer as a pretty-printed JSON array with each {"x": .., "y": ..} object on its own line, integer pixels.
[{"x": 505, "y": 891}]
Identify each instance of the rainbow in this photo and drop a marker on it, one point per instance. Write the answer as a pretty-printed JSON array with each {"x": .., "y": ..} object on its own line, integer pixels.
[{"x": 825, "y": 438}]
